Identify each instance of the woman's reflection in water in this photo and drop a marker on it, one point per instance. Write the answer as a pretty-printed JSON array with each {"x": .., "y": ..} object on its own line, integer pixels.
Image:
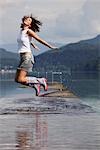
[{"x": 35, "y": 138}]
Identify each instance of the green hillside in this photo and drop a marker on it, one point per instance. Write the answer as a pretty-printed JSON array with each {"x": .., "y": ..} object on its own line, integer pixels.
[{"x": 80, "y": 56}]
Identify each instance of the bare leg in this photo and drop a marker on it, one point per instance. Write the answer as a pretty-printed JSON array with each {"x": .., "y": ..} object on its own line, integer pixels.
[{"x": 21, "y": 77}]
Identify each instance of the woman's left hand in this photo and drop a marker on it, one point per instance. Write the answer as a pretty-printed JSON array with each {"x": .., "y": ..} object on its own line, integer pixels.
[{"x": 54, "y": 47}]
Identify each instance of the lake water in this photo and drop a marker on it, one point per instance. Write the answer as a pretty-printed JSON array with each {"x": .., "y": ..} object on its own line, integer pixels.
[
  {"x": 74, "y": 130},
  {"x": 85, "y": 85}
]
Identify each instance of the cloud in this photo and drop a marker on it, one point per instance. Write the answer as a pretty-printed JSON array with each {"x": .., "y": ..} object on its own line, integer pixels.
[
  {"x": 68, "y": 24},
  {"x": 91, "y": 16},
  {"x": 80, "y": 23},
  {"x": 11, "y": 13},
  {"x": 63, "y": 20}
]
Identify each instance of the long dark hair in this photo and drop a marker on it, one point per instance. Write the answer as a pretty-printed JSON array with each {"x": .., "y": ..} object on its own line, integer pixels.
[{"x": 35, "y": 25}]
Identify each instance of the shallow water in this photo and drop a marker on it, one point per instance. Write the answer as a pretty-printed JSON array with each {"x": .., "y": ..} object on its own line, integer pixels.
[
  {"x": 76, "y": 129},
  {"x": 50, "y": 132}
]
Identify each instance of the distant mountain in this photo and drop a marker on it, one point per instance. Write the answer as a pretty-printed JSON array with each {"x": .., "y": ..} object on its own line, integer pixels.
[
  {"x": 83, "y": 55},
  {"x": 8, "y": 59},
  {"x": 14, "y": 47}
]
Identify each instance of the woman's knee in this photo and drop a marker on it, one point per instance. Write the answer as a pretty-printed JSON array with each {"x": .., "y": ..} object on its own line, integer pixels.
[
  {"x": 20, "y": 77},
  {"x": 20, "y": 80}
]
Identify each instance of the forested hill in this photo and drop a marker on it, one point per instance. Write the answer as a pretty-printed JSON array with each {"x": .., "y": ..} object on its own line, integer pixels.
[
  {"x": 83, "y": 55},
  {"x": 8, "y": 59}
]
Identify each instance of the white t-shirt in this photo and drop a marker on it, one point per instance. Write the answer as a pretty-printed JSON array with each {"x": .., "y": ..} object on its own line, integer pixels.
[{"x": 24, "y": 41}]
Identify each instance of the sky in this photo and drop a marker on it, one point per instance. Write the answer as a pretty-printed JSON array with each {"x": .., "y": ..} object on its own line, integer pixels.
[{"x": 64, "y": 21}]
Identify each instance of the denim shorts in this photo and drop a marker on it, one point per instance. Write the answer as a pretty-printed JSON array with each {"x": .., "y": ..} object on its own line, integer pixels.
[{"x": 26, "y": 61}]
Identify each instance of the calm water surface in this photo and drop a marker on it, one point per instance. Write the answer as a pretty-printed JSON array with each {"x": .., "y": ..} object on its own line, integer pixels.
[
  {"x": 50, "y": 132},
  {"x": 53, "y": 131}
]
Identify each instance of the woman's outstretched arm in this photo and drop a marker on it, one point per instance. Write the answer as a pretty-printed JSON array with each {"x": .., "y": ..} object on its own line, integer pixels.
[{"x": 34, "y": 35}]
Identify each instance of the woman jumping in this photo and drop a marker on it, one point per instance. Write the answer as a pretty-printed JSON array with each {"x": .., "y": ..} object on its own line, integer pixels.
[{"x": 29, "y": 27}]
